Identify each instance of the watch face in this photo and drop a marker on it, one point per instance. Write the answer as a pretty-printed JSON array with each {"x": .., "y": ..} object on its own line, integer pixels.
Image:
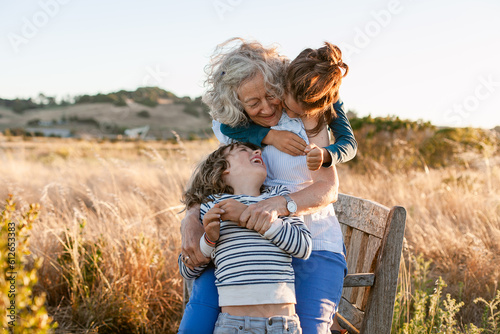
[{"x": 291, "y": 206}]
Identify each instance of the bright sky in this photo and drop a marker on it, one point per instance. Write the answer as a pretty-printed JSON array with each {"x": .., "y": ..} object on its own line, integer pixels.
[{"x": 430, "y": 60}]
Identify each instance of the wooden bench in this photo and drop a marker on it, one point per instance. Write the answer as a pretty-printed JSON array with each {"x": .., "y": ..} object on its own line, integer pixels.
[{"x": 373, "y": 236}]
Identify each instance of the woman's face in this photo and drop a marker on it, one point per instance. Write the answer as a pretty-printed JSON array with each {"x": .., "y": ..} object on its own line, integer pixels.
[{"x": 262, "y": 107}]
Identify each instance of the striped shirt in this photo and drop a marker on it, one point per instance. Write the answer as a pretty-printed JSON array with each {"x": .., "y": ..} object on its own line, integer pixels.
[
  {"x": 292, "y": 171},
  {"x": 252, "y": 268}
]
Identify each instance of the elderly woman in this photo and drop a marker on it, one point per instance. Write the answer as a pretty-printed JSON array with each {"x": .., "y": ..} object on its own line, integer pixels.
[{"x": 246, "y": 87}]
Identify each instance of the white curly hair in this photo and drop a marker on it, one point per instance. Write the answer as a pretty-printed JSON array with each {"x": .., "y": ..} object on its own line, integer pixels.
[{"x": 234, "y": 62}]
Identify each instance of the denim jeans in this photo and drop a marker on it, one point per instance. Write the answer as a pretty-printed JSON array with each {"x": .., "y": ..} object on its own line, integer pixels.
[
  {"x": 229, "y": 324},
  {"x": 318, "y": 288},
  {"x": 202, "y": 309}
]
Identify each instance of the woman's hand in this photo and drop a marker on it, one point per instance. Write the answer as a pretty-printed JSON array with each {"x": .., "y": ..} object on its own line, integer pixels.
[
  {"x": 261, "y": 215},
  {"x": 211, "y": 222},
  {"x": 285, "y": 141},
  {"x": 191, "y": 232},
  {"x": 316, "y": 156},
  {"x": 233, "y": 209}
]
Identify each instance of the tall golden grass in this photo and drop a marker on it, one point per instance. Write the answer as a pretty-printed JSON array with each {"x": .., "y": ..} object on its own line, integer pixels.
[{"x": 109, "y": 226}]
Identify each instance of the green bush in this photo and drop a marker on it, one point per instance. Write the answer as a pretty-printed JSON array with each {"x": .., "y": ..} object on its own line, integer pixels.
[
  {"x": 192, "y": 110},
  {"x": 26, "y": 312},
  {"x": 421, "y": 308},
  {"x": 144, "y": 114},
  {"x": 446, "y": 145}
]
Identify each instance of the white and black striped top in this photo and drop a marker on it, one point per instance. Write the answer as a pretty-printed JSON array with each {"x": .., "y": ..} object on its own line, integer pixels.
[{"x": 252, "y": 268}]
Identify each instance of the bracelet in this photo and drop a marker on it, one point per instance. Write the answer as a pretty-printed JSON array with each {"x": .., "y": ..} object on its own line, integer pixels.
[{"x": 210, "y": 242}]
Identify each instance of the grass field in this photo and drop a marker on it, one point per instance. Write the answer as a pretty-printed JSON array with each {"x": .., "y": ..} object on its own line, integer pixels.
[{"x": 108, "y": 230}]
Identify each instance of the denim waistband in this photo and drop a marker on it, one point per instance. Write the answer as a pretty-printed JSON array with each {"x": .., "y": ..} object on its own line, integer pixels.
[{"x": 276, "y": 322}]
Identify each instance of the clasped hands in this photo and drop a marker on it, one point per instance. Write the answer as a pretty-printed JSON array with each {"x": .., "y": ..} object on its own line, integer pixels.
[{"x": 258, "y": 217}]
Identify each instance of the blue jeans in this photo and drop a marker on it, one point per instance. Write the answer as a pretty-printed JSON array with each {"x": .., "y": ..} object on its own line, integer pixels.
[
  {"x": 229, "y": 324},
  {"x": 318, "y": 288}
]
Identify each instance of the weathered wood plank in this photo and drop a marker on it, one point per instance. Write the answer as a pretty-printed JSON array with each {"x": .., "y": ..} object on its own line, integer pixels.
[
  {"x": 352, "y": 261},
  {"x": 361, "y": 214},
  {"x": 351, "y": 313},
  {"x": 380, "y": 306},
  {"x": 357, "y": 293},
  {"x": 343, "y": 228},
  {"x": 347, "y": 238},
  {"x": 346, "y": 324},
  {"x": 372, "y": 249},
  {"x": 354, "y": 251},
  {"x": 353, "y": 280}
]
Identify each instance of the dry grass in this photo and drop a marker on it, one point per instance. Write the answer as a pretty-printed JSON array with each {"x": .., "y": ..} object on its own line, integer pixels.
[
  {"x": 108, "y": 230},
  {"x": 453, "y": 219},
  {"x": 110, "y": 239}
]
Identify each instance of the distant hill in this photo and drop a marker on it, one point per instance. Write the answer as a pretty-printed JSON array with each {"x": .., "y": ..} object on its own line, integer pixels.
[
  {"x": 109, "y": 114},
  {"x": 383, "y": 141}
]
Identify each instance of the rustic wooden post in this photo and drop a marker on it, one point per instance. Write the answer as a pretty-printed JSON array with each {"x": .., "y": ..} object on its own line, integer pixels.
[{"x": 380, "y": 307}]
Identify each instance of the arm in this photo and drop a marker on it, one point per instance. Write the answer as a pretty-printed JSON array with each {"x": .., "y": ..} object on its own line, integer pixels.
[
  {"x": 191, "y": 231},
  {"x": 291, "y": 235},
  {"x": 251, "y": 133},
  {"x": 284, "y": 141},
  {"x": 187, "y": 272},
  {"x": 345, "y": 146},
  {"x": 318, "y": 195},
  {"x": 323, "y": 191}
]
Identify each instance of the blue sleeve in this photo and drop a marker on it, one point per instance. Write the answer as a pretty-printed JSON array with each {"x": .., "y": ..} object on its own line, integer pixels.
[
  {"x": 345, "y": 146},
  {"x": 251, "y": 133}
]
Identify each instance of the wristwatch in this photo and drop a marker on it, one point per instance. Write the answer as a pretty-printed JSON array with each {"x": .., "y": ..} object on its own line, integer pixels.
[{"x": 290, "y": 204}]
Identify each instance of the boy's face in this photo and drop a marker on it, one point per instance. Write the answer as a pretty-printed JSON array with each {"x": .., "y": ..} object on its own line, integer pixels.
[{"x": 246, "y": 162}]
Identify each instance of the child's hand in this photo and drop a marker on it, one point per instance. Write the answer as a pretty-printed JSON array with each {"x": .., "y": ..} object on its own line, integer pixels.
[
  {"x": 285, "y": 141},
  {"x": 315, "y": 156},
  {"x": 233, "y": 209},
  {"x": 211, "y": 222}
]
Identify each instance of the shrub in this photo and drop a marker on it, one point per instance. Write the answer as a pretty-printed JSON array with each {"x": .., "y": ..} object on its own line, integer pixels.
[
  {"x": 144, "y": 114},
  {"x": 421, "y": 308},
  {"x": 192, "y": 110},
  {"x": 26, "y": 312},
  {"x": 446, "y": 145}
]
